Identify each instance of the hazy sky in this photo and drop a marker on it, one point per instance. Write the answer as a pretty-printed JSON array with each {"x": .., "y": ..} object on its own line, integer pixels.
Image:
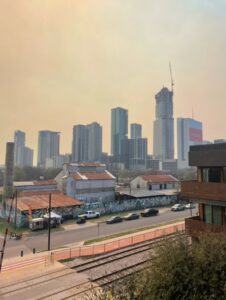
[{"x": 67, "y": 62}]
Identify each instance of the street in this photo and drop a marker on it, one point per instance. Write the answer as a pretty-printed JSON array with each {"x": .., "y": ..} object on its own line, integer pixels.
[{"x": 85, "y": 232}]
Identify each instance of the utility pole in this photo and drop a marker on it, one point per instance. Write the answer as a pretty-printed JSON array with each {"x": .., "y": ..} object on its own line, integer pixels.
[
  {"x": 49, "y": 222},
  {"x": 15, "y": 208},
  {"x": 6, "y": 233}
]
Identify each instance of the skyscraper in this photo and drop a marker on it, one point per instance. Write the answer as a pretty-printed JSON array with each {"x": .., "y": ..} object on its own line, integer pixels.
[
  {"x": 87, "y": 142},
  {"x": 136, "y": 155},
  {"x": 19, "y": 144},
  {"x": 48, "y": 146},
  {"x": 189, "y": 133},
  {"x": 163, "y": 144},
  {"x": 119, "y": 131},
  {"x": 94, "y": 142},
  {"x": 80, "y": 143},
  {"x": 135, "y": 131},
  {"x": 28, "y": 157}
]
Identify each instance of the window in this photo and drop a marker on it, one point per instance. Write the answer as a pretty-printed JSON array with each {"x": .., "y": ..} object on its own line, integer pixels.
[
  {"x": 211, "y": 175},
  {"x": 208, "y": 214},
  {"x": 205, "y": 175},
  {"x": 224, "y": 171},
  {"x": 217, "y": 216}
]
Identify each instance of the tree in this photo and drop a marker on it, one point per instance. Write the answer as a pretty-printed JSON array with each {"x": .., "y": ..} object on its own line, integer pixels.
[{"x": 178, "y": 271}]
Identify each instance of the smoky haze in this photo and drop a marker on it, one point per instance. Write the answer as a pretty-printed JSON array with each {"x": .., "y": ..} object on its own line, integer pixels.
[{"x": 68, "y": 62}]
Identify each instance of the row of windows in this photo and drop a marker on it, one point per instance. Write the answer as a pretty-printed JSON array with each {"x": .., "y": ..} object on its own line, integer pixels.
[{"x": 94, "y": 190}]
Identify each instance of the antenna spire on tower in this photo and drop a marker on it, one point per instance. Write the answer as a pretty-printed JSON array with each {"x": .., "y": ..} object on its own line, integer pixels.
[{"x": 171, "y": 77}]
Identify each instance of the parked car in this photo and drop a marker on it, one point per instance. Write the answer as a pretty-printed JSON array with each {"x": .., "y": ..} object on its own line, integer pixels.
[
  {"x": 114, "y": 219},
  {"x": 190, "y": 206},
  {"x": 90, "y": 215},
  {"x": 178, "y": 207},
  {"x": 149, "y": 212},
  {"x": 81, "y": 220},
  {"x": 132, "y": 216}
]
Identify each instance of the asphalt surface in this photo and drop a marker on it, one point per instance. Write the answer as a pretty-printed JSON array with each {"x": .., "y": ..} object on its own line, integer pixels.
[{"x": 85, "y": 232}]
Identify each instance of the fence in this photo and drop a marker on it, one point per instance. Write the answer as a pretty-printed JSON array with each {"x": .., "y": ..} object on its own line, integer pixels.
[
  {"x": 116, "y": 244},
  {"x": 102, "y": 248}
]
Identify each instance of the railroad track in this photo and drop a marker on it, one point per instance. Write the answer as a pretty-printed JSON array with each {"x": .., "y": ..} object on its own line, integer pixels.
[
  {"x": 91, "y": 264},
  {"x": 98, "y": 280},
  {"x": 119, "y": 254},
  {"x": 13, "y": 288}
]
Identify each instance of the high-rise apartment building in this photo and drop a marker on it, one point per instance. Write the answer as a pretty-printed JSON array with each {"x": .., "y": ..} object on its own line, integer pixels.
[
  {"x": 87, "y": 143},
  {"x": 163, "y": 144},
  {"x": 135, "y": 131},
  {"x": 137, "y": 153},
  {"x": 189, "y": 133},
  {"x": 48, "y": 146},
  {"x": 19, "y": 144},
  {"x": 28, "y": 157},
  {"x": 94, "y": 142},
  {"x": 80, "y": 143},
  {"x": 119, "y": 131}
]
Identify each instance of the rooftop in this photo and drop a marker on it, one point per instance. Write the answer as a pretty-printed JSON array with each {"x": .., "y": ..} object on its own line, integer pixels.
[
  {"x": 35, "y": 183},
  {"x": 40, "y": 201},
  {"x": 211, "y": 155},
  {"x": 143, "y": 193},
  {"x": 159, "y": 178},
  {"x": 88, "y": 164},
  {"x": 92, "y": 176}
]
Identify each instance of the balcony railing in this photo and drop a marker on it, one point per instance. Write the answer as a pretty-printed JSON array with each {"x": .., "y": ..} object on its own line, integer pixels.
[
  {"x": 194, "y": 226},
  {"x": 203, "y": 190}
]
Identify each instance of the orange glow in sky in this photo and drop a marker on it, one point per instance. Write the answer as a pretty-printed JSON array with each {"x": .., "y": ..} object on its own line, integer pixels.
[{"x": 68, "y": 62}]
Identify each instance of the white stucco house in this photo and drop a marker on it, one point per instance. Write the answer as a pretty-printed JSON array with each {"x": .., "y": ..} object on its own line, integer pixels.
[
  {"x": 155, "y": 182},
  {"x": 89, "y": 182}
]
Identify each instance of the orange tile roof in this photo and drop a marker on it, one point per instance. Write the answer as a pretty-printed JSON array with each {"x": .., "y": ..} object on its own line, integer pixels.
[
  {"x": 42, "y": 201},
  {"x": 45, "y": 182},
  {"x": 159, "y": 178},
  {"x": 33, "y": 193},
  {"x": 92, "y": 176}
]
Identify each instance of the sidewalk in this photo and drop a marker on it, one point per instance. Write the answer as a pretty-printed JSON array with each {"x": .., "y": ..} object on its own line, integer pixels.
[
  {"x": 137, "y": 233},
  {"x": 41, "y": 261}
]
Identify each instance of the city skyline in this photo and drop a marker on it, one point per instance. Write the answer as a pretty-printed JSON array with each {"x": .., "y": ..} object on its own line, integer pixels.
[{"x": 108, "y": 54}]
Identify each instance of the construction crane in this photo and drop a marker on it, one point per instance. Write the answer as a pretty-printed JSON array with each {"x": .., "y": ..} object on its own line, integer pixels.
[{"x": 171, "y": 77}]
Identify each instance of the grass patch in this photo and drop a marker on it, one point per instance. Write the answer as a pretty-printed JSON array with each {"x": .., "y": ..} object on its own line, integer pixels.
[
  {"x": 4, "y": 224},
  {"x": 105, "y": 238}
]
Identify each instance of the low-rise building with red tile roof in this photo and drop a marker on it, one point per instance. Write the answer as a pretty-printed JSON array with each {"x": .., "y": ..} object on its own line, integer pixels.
[
  {"x": 155, "y": 182},
  {"x": 35, "y": 205},
  {"x": 37, "y": 185},
  {"x": 90, "y": 182}
]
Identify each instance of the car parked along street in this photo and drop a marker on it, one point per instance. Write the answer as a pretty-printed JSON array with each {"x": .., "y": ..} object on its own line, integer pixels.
[
  {"x": 131, "y": 216},
  {"x": 178, "y": 207},
  {"x": 114, "y": 219},
  {"x": 148, "y": 212}
]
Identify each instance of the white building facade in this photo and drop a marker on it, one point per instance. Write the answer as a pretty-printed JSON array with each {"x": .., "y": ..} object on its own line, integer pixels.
[
  {"x": 189, "y": 133},
  {"x": 89, "y": 182},
  {"x": 155, "y": 182}
]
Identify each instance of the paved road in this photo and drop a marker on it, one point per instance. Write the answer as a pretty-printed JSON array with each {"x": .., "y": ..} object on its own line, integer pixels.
[{"x": 61, "y": 238}]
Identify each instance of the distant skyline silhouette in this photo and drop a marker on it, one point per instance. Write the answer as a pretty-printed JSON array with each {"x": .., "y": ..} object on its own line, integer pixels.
[{"x": 64, "y": 63}]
